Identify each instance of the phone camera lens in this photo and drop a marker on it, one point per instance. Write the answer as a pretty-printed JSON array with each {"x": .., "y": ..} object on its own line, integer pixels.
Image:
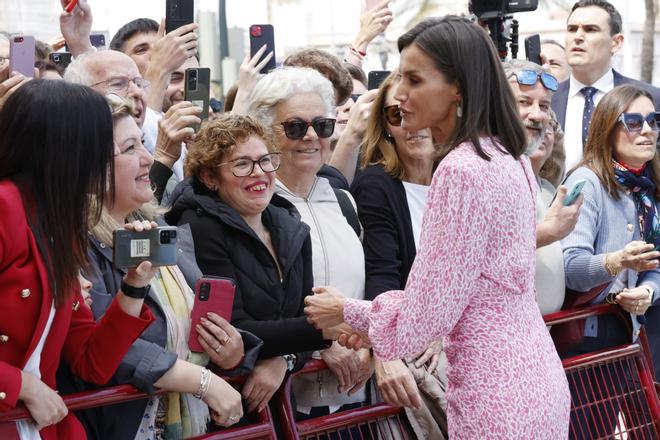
[
  {"x": 164, "y": 237},
  {"x": 56, "y": 58},
  {"x": 255, "y": 31},
  {"x": 204, "y": 292}
]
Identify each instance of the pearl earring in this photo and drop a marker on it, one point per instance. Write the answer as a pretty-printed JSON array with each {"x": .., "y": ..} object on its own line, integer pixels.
[{"x": 459, "y": 109}]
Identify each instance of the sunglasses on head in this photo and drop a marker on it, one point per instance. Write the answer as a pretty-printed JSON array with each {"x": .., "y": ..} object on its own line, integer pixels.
[
  {"x": 297, "y": 128},
  {"x": 392, "y": 115},
  {"x": 634, "y": 122},
  {"x": 529, "y": 78}
]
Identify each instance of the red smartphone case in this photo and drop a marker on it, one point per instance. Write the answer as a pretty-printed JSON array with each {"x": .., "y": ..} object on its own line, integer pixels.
[{"x": 212, "y": 294}]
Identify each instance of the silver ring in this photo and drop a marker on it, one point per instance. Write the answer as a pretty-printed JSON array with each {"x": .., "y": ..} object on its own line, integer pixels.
[
  {"x": 217, "y": 349},
  {"x": 233, "y": 418}
]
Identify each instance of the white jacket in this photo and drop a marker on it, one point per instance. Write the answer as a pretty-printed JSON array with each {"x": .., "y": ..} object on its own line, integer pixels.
[{"x": 338, "y": 261}]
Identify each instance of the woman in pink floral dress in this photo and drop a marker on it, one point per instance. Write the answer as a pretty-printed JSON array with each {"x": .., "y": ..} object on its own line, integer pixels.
[{"x": 473, "y": 279}]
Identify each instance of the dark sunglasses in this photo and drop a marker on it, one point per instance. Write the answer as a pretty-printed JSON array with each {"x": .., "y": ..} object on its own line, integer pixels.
[
  {"x": 634, "y": 122},
  {"x": 297, "y": 129},
  {"x": 392, "y": 115},
  {"x": 529, "y": 78}
]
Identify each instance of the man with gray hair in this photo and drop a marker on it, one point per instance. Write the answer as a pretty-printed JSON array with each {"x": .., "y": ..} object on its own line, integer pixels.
[
  {"x": 532, "y": 86},
  {"x": 109, "y": 71}
]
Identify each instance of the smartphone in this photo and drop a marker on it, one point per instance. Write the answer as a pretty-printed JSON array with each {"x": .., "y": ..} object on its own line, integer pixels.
[
  {"x": 261, "y": 34},
  {"x": 533, "y": 48},
  {"x": 98, "y": 40},
  {"x": 574, "y": 192},
  {"x": 197, "y": 89},
  {"x": 21, "y": 55},
  {"x": 376, "y": 77},
  {"x": 178, "y": 13},
  {"x": 61, "y": 59},
  {"x": 158, "y": 245},
  {"x": 212, "y": 294}
]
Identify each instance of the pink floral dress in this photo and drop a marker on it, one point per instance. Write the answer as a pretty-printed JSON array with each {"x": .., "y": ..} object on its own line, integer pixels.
[{"x": 473, "y": 284}]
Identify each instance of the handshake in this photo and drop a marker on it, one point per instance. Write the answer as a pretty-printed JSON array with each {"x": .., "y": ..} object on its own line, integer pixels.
[{"x": 325, "y": 311}]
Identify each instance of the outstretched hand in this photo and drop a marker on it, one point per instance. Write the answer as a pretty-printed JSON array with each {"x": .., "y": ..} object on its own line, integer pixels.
[{"x": 325, "y": 308}]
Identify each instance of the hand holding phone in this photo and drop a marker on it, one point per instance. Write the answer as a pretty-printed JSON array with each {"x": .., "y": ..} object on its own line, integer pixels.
[
  {"x": 21, "y": 55},
  {"x": 574, "y": 192},
  {"x": 197, "y": 90},
  {"x": 178, "y": 13},
  {"x": 263, "y": 35},
  {"x": 216, "y": 295},
  {"x": 156, "y": 245},
  {"x": 60, "y": 59}
]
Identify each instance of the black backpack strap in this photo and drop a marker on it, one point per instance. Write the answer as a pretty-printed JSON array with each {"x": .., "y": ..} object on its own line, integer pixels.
[{"x": 348, "y": 210}]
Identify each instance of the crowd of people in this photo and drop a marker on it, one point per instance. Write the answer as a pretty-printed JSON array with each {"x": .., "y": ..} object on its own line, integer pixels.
[{"x": 411, "y": 236}]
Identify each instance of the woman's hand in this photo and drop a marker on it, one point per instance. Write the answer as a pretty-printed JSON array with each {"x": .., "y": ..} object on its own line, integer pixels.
[
  {"x": 265, "y": 379},
  {"x": 44, "y": 404},
  {"x": 10, "y": 85},
  {"x": 325, "y": 308},
  {"x": 344, "y": 364},
  {"x": 635, "y": 301},
  {"x": 430, "y": 355},
  {"x": 397, "y": 385},
  {"x": 249, "y": 75},
  {"x": 365, "y": 372},
  {"x": 636, "y": 255},
  {"x": 224, "y": 402},
  {"x": 142, "y": 275},
  {"x": 221, "y": 341},
  {"x": 373, "y": 22}
]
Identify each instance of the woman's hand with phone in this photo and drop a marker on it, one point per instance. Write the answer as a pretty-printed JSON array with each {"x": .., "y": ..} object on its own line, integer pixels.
[
  {"x": 221, "y": 341},
  {"x": 142, "y": 275},
  {"x": 248, "y": 76},
  {"x": 10, "y": 85}
]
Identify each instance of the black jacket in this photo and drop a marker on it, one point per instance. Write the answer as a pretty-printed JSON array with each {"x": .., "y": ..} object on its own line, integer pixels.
[
  {"x": 389, "y": 245},
  {"x": 226, "y": 246}
]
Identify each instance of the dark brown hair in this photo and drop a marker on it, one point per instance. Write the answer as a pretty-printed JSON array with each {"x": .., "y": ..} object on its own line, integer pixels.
[
  {"x": 599, "y": 149},
  {"x": 464, "y": 54},
  {"x": 61, "y": 159},
  {"x": 615, "y": 21}
]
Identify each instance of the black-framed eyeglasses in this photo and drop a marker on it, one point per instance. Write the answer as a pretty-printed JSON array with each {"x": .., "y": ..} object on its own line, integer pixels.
[
  {"x": 356, "y": 96},
  {"x": 634, "y": 122},
  {"x": 243, "y": 166},
  {"x": 119, "y": 84},
  {"x": 392, "y": 115},
  {"x": 297, "y": 128},
  {"x": 529, "y": 78}
]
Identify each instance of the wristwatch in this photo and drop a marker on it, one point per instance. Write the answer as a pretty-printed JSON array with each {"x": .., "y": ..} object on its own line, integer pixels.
[
  {"x": 134, "y": 292},
  {"x": 290, "y": 361}
]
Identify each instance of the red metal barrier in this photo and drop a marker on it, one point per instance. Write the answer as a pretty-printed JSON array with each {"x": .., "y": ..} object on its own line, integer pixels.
[
  {"x": 263, "y": 429},
  {"x": 373, "y": 421}
]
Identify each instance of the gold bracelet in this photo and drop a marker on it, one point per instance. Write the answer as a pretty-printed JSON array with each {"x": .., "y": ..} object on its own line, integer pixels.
[{"x": 609, "y": 267}]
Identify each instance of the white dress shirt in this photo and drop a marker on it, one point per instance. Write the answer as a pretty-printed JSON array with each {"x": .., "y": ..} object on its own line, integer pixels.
[{"x": 574, "y": 110}]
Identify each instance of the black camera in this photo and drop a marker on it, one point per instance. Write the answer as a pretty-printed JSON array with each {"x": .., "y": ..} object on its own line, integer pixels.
[
  {"x": 167, "y": 236},
  {"x": 192, "y": 80},
  {"x": 485, "y": 9}
]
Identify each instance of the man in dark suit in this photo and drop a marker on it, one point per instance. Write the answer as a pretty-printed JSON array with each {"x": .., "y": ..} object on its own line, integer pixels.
[{"x": 593, "y": 36}]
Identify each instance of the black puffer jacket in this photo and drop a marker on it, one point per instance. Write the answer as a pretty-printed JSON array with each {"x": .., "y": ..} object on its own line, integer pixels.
[{"x": 226, "y": 246}]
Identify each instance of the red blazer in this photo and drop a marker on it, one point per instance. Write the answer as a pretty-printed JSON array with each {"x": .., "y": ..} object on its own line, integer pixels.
[{"x": 93, "y": 350}]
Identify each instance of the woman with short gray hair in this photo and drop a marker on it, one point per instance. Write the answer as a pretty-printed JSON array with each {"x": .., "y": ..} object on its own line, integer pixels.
[{"x": 298, "y": 104}]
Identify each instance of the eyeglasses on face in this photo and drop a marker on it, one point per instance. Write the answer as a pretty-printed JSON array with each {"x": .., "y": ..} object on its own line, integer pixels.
[
  {"x": 119, "y": 84},
  {"x": 244, "y": 166},
  {"x": 529, "y": 78},
  {"x": 634, "y": 122},
  {"x": 297, "y": 128},
  {"x": 392, "y": 115}
]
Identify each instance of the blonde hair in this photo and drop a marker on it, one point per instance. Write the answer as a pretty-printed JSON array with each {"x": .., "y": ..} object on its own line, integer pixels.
[
  {"x": 379, "y": 147},
  {"x": 104, "y": 228}
]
